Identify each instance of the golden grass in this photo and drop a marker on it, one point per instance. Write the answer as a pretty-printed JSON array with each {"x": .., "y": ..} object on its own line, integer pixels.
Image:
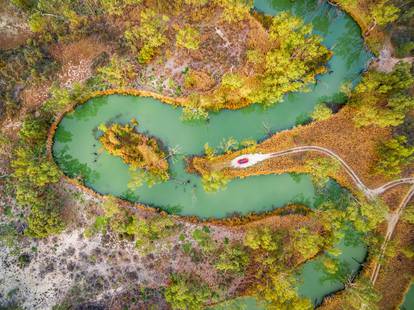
[{"x": 357, "y": 146}]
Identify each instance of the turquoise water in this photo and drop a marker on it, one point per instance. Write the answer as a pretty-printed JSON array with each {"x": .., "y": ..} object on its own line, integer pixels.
[
  {"x": 314, "y": 282},
  {"x": 77, "y": 149},
  {"x": 408, "y": 299},
  {"x": 76, "y": 140}
]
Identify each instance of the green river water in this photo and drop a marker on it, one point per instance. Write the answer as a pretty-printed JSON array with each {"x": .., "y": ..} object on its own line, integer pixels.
[
  {"x": 408, "y": 299},
  {"x": 76, "y": 145}
]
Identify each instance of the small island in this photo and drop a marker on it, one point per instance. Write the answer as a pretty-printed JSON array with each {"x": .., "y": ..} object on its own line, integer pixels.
[{"x": 136, "y": 149}]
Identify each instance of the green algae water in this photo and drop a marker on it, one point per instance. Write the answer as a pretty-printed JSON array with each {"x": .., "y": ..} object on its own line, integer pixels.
[
  {"x": 76, "y": 147},
  {"x": 314, "y": 282},
  {"x": 408, "y": 299}
]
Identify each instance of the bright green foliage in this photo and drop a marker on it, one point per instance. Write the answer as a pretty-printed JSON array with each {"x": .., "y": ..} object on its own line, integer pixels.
[
  {"x": 382, "y": 99},
  {"x": 322, "y": 168},
  {"x": 384, "y": 13},
  {"x": 184, "y": 292},
  {"x": 254, "y": 57},
  {"x": 331, "y": 265},
  {"x": 333, "y": 220},
  {"x": 230, "y": 144},
  {"x": 274, "y": 285},
  {"x": 263, "y": 240},
  {"x": 366, "y": 216},
  {"x": 60, "y": 98},
  {"x": 33, "y": 174},
  {"x": 361, "y": 295},
  {"x": 408, "y": 215},
  {"x": 148, "y": 231},
  {"x": 232, "y": 81},
  {"x": 188, "y": 37},
  {"x": 405, "y": 49},
  {"x": 394, "y": 155},
  {"x": 296, "y": 57},
  {"x": 350, "y": 3},
  {"x": 28, "y": 168},
  {"x": 203, "y": 239},
  {"x": 214, "y": 181},
  {"x": 118, "y": 73},
  {"x": 321, "y": 112},
  {"x": 307, "y": 243},
  {"x": 233, "y": 259},
  {"x": 24, "y": 4},
  {"x": 37, "y": 23},
  {"x": 149, "y": 34},
  {"x": 111, "y": 207},
  {"x": 33, "y": 131},
  {"x": 232, "y": 89},
  {"x": 99, "y": 226},
  {"x": 194, "y": 113},
  {"x": 209, "y": 151},
  {"x": 54, "y": 17},
  {"x": 121, "y": 221},
  {"x": 196, "y": 2},
  {"x": 43, "y": 221},
  {"x": 235, "y": 10},
  {"x": 279, "y": 292},
  {"x": 117, "y": 7},
  {"x": 195, "y": 109}
]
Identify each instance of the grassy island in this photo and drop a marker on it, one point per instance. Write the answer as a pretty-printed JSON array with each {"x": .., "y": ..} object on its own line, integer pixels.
[{"x": 136, "y": 150}]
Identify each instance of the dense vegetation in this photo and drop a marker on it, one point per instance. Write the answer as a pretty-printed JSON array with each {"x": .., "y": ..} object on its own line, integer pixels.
[
  {"x": 136, "y": 149},
  {"x": 140, "y": 35}
]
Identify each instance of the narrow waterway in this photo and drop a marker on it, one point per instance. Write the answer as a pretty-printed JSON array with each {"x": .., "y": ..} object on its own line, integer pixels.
[{"x": 77, "y": 150}]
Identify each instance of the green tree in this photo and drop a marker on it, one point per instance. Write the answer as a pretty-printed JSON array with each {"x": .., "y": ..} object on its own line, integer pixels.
[
  {"x": 149, "y": 35},
  {"x": 384, "y": 13},
  {"x": 185, "y": 292},
  {"x": 321, "y": 112},
  {"x": 27, "y": 167},
  {"x": 408, "y": 215},
  {"x": 25, "y": 5},
  {"x": 292, "y": 61},
  {"x": 263, "y": 240},
  {"x": 233, "y": 259},
  {"x": 361, "y": 295},
  {"x": 235, "y": 10},
  {"x": 394, "y": 155},
  {"x": 44, "y": 221},
  {"x": 322, "y": 168},
  {"x": 118, "y": 73},
  {"x": 188, "y": 37},
  {"x": 196, "y": 2},
  {"x": 117, "y": 7},
  {"x": 33, "y": 131},
  {"x": 382, "y": 99},
  {"x": 366, "y": 216},
  {"x": 279, "y": 292},
  {"x": 214, "y": 181},
  {"x": 306, "y": 242},
  {"x": 203, "y": 239}
]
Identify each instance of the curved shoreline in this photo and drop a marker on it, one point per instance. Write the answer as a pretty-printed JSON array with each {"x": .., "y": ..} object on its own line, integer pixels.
[{"x": 228, "y": 222}]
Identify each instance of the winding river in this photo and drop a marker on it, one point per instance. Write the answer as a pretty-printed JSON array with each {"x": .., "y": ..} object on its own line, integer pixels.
[{"x": 76, "y": 148}]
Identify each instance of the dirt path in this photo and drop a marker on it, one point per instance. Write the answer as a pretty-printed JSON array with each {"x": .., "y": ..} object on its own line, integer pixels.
[
  {"x": 253, "y": 159},
  {"x": 393, "y": 219},
  {"x": 248, "y": 160}
]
